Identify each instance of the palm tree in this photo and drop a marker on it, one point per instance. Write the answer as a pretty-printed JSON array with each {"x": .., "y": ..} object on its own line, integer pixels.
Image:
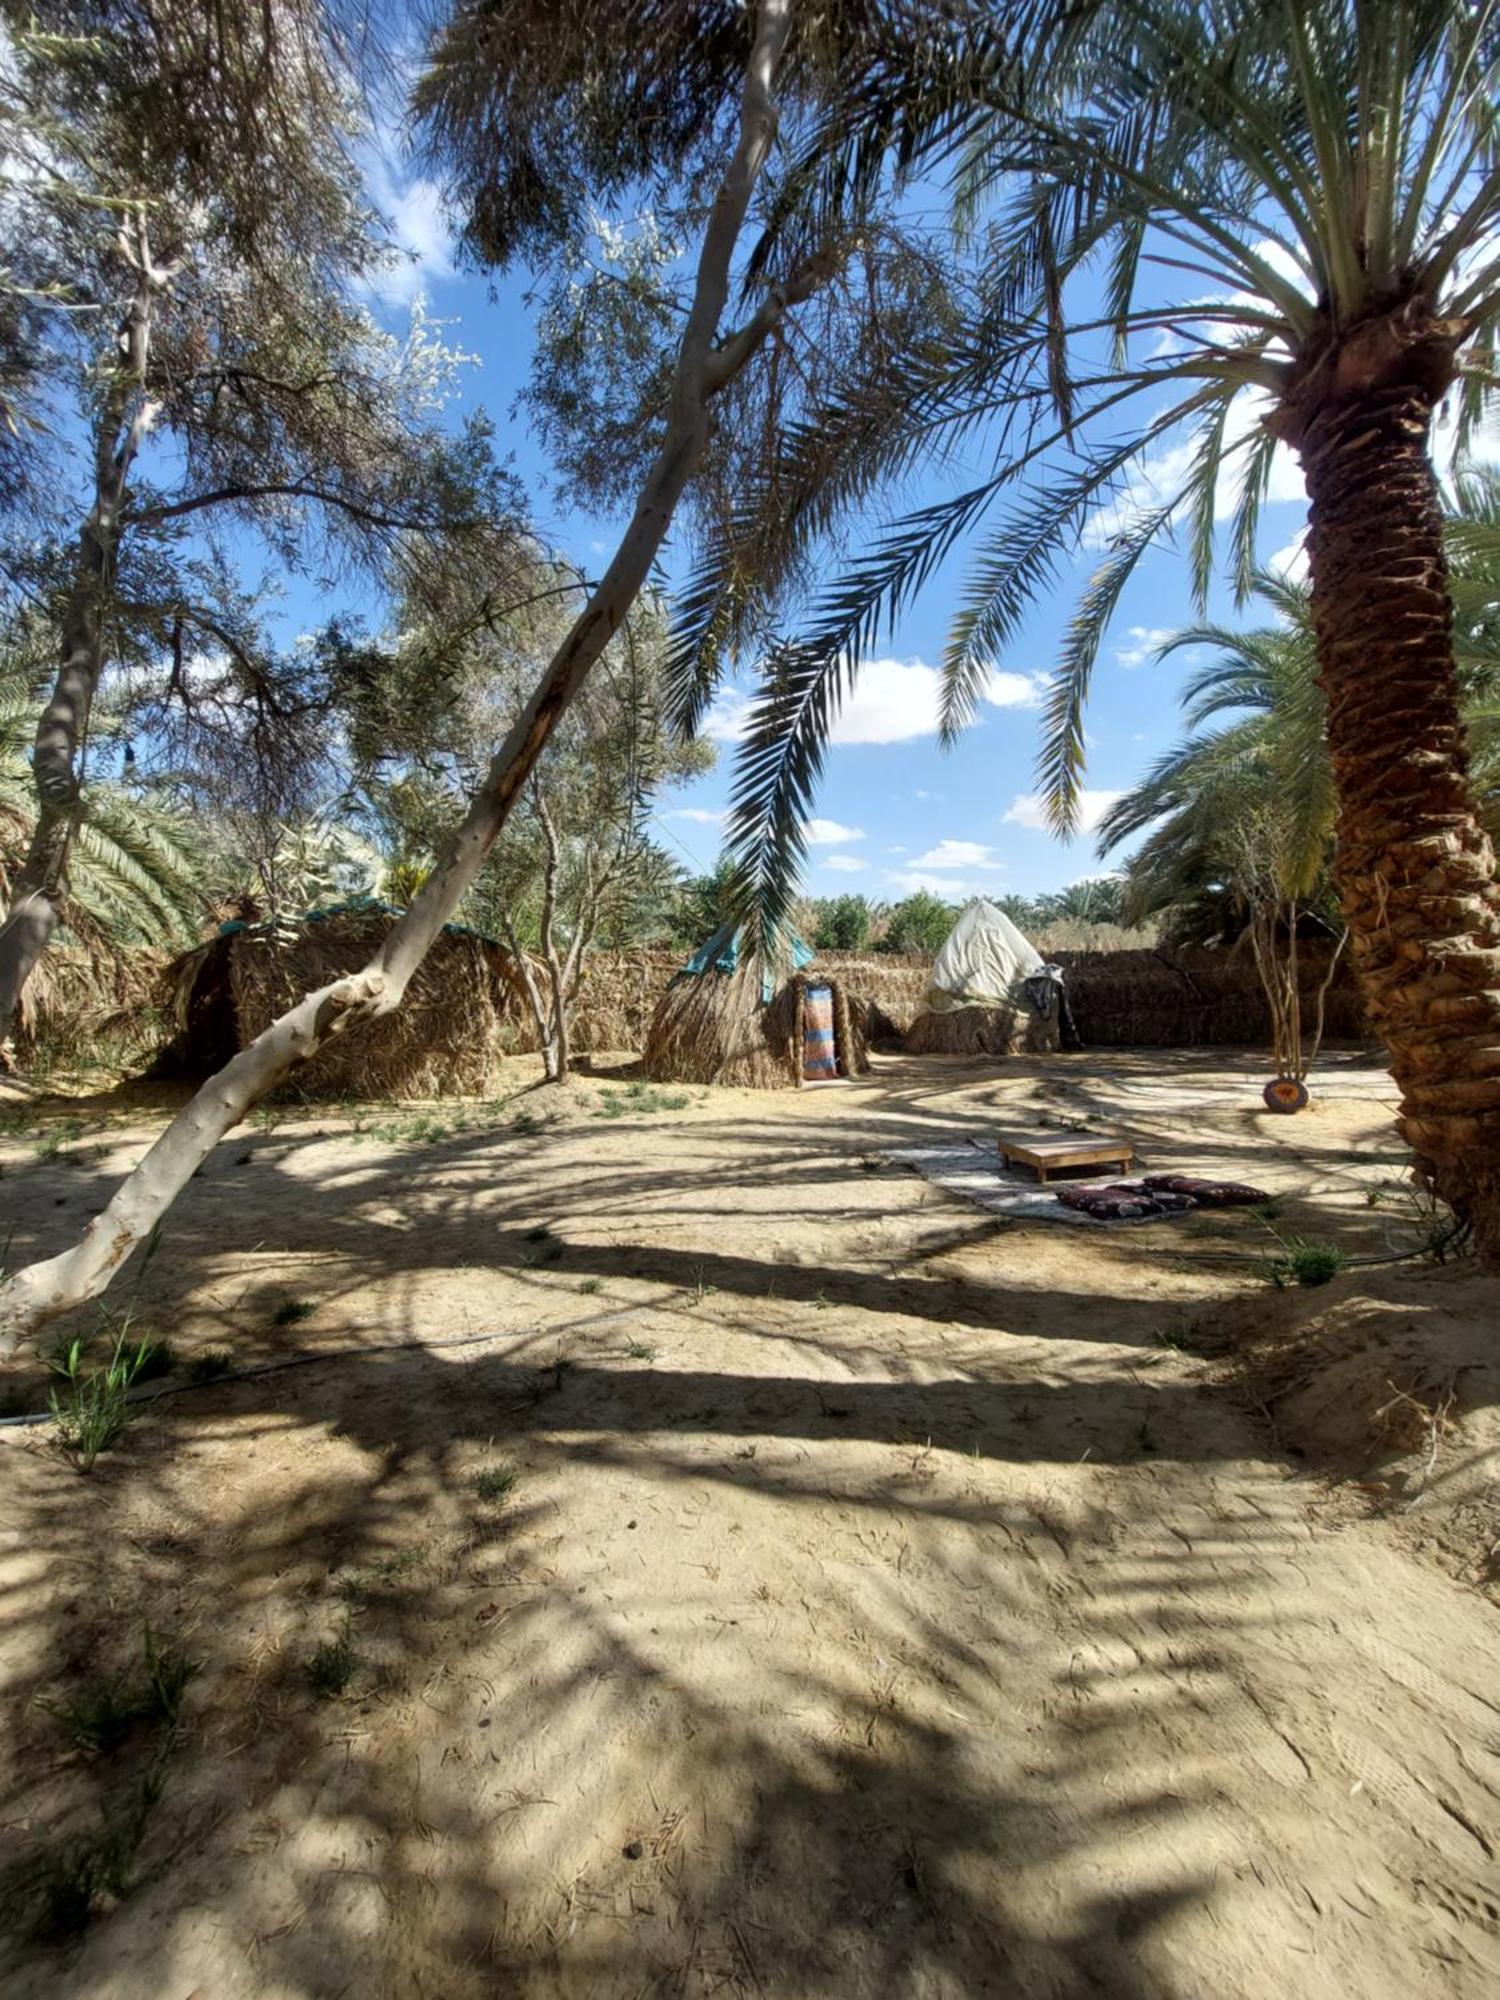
[{"x": 1293, "y": 207}]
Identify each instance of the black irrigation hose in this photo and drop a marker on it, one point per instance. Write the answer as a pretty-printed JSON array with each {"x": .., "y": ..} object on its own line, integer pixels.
[{"x": 271, "y": 1368}]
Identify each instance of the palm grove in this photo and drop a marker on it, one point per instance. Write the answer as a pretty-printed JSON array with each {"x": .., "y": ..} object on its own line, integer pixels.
[{"x": 1289, "y": 212}]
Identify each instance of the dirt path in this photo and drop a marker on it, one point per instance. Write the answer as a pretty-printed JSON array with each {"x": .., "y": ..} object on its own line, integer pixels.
[{"x": 882, "y": 1606}]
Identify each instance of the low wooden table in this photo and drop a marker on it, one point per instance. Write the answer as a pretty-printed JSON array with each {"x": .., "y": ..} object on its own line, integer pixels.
[{"x": 1046, "y": 1150}]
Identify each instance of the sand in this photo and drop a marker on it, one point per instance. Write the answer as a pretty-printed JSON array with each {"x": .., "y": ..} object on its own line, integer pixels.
[{"x": 889, "y": 1600}]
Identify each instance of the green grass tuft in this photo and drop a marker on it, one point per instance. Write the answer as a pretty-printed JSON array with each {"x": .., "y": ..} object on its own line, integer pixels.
[
  {"x": 494, "y": 1484},
  {"x": 331, "y": 1666},
  {"x": 1307, "y": 1263},
  {"x": 98, "y": 1716},
  {"x": 291, "y": 1312},
  {"x": 209, "y": 1364},
  {"x": 91, "y": 1412},
  {"x": 67, "y": 1882}
]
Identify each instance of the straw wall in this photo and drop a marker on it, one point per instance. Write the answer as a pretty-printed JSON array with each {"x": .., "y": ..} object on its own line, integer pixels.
[
  {"x": 1195, "y": 997},
  {"x": 466, "y": 1012},
  {"x": 447, "y": 1039}
]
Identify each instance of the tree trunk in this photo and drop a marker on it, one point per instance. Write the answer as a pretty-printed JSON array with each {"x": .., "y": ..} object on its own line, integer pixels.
[
  {"x": 42, "y": 1290},
  {"x": 1414, "y": 867},
  {"x": 35, "y": 903}
]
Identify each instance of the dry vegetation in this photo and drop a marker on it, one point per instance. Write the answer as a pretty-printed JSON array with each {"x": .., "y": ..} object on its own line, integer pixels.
[{"x": 671, "y": 1550}]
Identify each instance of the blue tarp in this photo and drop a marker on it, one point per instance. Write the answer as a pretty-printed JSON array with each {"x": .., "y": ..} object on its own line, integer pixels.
[{"x": 725, "y": 949}]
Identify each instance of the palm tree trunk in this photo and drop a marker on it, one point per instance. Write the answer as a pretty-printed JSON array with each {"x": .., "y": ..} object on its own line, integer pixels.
[{"x": 1414, "y": 867}]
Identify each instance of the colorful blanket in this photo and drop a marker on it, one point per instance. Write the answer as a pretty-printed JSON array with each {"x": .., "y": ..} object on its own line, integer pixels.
[{"x": 819, "y": 1055}]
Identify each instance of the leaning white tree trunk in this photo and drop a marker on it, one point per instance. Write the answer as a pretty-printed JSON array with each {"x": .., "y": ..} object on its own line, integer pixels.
[{"x": 42, "y": 1290}]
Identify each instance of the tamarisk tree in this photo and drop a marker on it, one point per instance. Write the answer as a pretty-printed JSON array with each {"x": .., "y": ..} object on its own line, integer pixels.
[
  {"x": 532, "y": 114},
  {"x": 199, "y": 326}
]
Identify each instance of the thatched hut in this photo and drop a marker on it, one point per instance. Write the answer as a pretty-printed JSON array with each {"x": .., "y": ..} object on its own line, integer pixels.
[
  {"x": 977, "y": 1001},
  {"x": 447, "y": 1039},
  {"x": 729, "y": 1018}
]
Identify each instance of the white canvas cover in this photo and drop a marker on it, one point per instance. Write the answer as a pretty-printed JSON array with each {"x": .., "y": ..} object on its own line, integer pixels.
[{"x": 983, "y": 962}]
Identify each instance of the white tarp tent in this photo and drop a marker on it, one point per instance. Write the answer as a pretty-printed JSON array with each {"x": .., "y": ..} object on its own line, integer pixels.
[{"x": 983, "y": 963}]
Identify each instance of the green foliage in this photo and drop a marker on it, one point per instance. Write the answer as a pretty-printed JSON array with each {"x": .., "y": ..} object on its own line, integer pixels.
[
  {"x": 1306, "y": 1262},
  {"x": 98, "y": 1716},
  {"x": 68, "y": 1881},
  {"x": 139, "y": 873},
  {"x": 61, "y": 1886},
  {"x": 332, "y": 1666},
  {"x": 643, "y": 1098},
  {"x": 841, "y": 923},
  {"x": 705, "y": 903},
  {"x": 91, "y": 1412},
  {"x": 210, "y": 1364},
  {"x": 921, "y": 922},
  {"x": 1289, "y": 170},
  {"x": 494, "y": 1484},
  {"x": 292, "y": 1312}
]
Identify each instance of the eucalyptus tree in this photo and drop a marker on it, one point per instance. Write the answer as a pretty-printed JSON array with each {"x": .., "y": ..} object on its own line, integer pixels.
[
  {"x": 183, "y": 211},
  {"x": 535, "y": 115},
  {"x": 1291, "y": 216}
]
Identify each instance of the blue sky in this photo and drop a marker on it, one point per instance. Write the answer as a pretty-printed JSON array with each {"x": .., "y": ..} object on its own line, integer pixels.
[{"x": 894, "y": 813}]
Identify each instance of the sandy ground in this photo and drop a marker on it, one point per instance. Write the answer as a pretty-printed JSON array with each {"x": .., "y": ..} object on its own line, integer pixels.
[{"x": 889, "y": 1600}]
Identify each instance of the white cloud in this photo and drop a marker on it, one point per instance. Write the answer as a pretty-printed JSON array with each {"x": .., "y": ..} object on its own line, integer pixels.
[
  {"x": 895, "y": 850},
  {"x": 1006, "y": 690},
  {"x": 935, "y": 885},
  {"x": 421, "y": 228},
  {"x": 892, "y": 701},
  {"x": 828, "y": 833},
  {"x": 1026, "y": 809},
  {"x": 1155, "y": 477},
  {"x": 845, "y": 864},
  {"x": 1291, "y": 562},
  {"x": 1146, "y": 641},
  {"x": 729, "y": 718},
  {"x": 700, "y": 814},
  {"x": 950, "y": 854}
]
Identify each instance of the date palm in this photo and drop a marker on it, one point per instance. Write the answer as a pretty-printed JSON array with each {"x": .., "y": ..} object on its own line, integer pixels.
[{"x": 1293, "y": 210}]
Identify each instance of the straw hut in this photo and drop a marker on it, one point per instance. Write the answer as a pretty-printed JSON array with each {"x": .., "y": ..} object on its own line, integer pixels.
[
  {"x": 447, "y": 1039},
  {"x": 730, "y": 1018},
  {"x": 977, "y": 1003}
]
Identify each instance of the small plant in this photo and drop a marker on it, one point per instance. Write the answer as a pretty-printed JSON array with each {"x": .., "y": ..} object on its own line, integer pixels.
[
  {"x": 66, "y": 1883},
  {"x": 525, "y": 1123},
  {"x": 590, "y": 1286},
  {"x": 209, "y": 1365},
  {"x": 372, "y": 1577},
  {"x": 494, "y": 1484},
  {"x": 641, "y": 1097},
  {"x": 94, "y": 1408},
  {"x": 639, "y": 1350},
  {"x": 330, "y": 1667},
  {"x": 1307, "y": 1263},
  {"x": 99, "y": 1716},
  {"x": 291, "y": 1312},
  {"x": 160, "y": 1359}
]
